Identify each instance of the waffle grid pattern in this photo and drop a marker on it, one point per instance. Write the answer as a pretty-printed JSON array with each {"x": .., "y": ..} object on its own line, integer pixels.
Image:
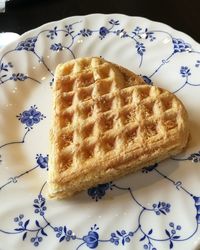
[{"x": 100, "y": 111}]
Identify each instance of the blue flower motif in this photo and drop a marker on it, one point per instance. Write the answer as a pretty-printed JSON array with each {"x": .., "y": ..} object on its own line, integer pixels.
[
  {"x": 69, "y": 30},
  {"x": 114, "y": 239},
  {"x": 149, "y": 244},
  {"x": 145, "y": 246},
  {"x": 147, "y": 80},
  {"x": 91, "y": 239},
  {"x": 22, "y": 225},
  {"x": 56, "y": 47},
  {"x": 99, "y": 191},
  {"x": 174, "y": 228},
  {"x": 195, "y": 157},
  {"x": 30, "y": 117},
  {"x": 145, "y": 34},
  {"x": 172, "y": 233},
  {"x": 28, "y": 44},
  {"x": 150, "y": 35},
  {"x": 140, "y": 48},
  {"x": 121, "y": 235},
  {"x": 52, "y": 33},
  {"x": 42, "y": 161},
  {"x": 39, "y": 234},
  {"x": 137, "y": 30},
  {"x": 122, "y": 33},
  {"x": 149, "y": 168},
  {"x": 36, "y": 240},
  {"x": 161, "y": 207},
  {"x": 197, "y": 63},
  {"x": 5, "y": 67},
  {"x": 180, "y": 45},
  {"x": 64, "y": 234},
  {"x": 185, "y": 71},
  {"x": 18, "y": 77},
  {"x": 85, "y": 32},
  {"x": 10, "y": 64},
  {"x": 197, "y": 206},
  {"x": 19, "y": 219},
  {"x": 39, "y": 205},
  {"x": 114, "y": 22},
  {"x": 149, "y": 247},
  {"x": 103, "y": 31}
]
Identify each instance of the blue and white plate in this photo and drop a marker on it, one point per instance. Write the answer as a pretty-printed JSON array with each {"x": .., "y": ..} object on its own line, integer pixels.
[{"x": 157, "y": 208}]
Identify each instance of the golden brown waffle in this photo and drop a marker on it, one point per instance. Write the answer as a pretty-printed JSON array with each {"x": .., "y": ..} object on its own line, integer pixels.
[{"x": 107, "y": 123}]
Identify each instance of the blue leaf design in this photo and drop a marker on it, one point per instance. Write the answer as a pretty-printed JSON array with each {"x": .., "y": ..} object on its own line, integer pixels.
[
  {"x": 163, "y": 212},
  {"x": 37, "y": 223},
  {"x": 65, "y": 229},
  {"x": 159, "y": 204},
  {"x": 19, "y": 229},
  {"x": 123, "y": 241},
  {"x": 26, "y": 223},
  {"x": 42, "y": 204},
  {"x": 24, "y": 236},
  {"x": 171, "y": 245},
  {"x": 36, "y": 206},
  {"x": 176, "y": 237},
  {"x": 43, "y": 232},
  {"x": 119, "y": 233},
  {"x": 150, "y": 232},
  {"x": 62, "y": 238},
  {"x": 143, "y": 238},
  {"x": 167, "y": 232}
]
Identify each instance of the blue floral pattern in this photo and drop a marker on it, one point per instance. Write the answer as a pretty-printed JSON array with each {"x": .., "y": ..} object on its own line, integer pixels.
[
  {"x": 52, "y": 33},
  {"x": 180, "y": 45},
  {"x": 149, "y": 168},
  {"x": 62, "y": 233},
  {"x": 85, "y": 32},
  {"x": 121, "y": 236},
  {"x": 42, "y": 161},
  {"x": 92, "y": 238},
  {"x": 5, "y": 68},
  {"x": 37, "y": 229},
  {"x": 28, "y": 44},
  {"x": 194, "y": 157},
  {"x": 30, "y": 117},
  {"x": 137, "y": 35},
  {"x": 197, "y": 64},
  {"x": 161, "y": 207},
  {"x": 99, "y": 191},
  {"x": 56, "y": 47},
  {"x": 39, "y": 205}
]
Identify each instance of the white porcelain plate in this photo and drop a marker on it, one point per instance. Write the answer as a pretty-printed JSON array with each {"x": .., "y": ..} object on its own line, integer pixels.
[{"x": 157, "y": 208}]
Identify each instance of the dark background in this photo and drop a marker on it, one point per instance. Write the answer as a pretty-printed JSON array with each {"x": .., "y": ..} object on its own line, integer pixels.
[{"x": 23, "y": 15}]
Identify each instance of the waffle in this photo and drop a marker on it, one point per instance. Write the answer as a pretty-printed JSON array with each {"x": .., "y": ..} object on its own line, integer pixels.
[{"x": 108, "y": 123}]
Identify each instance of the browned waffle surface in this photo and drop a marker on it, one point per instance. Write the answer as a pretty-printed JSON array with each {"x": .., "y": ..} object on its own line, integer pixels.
[{"x": 107, "y": 123}]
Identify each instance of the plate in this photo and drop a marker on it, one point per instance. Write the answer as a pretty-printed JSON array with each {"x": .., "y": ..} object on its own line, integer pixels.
[{"x": 156, "y": 208}]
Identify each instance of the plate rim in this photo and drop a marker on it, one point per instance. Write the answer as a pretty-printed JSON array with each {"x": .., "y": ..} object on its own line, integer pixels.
[
  {"x": 192, "y": 40},
  {"x": 104, "y": 16}
]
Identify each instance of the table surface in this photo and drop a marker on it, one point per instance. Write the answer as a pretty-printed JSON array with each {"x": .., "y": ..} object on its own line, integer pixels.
[{"x": 23, "y": 15}]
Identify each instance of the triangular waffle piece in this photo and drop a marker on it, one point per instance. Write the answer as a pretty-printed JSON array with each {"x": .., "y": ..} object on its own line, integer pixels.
[{"x": 107, "y": 123}]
